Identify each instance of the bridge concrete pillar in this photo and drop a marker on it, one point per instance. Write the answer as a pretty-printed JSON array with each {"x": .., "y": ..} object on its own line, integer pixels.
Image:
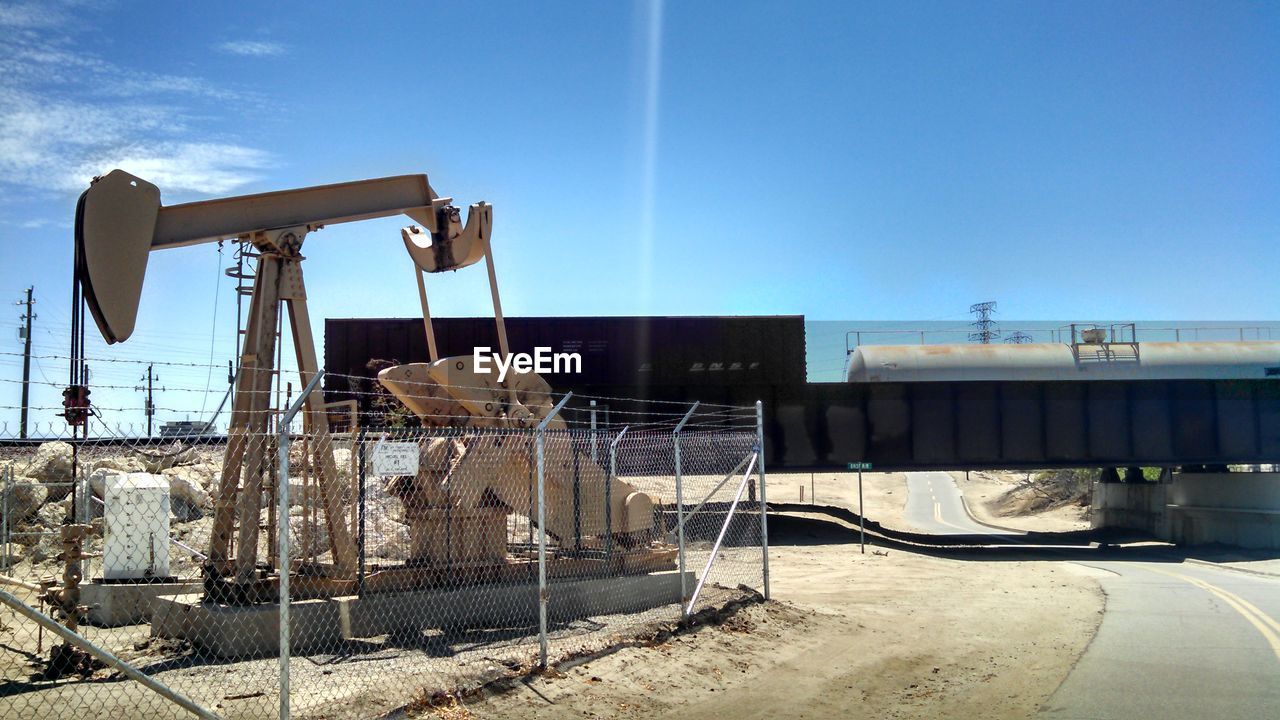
[
  {"x": 1129, "y": 506},
  {"x": 1241, "y": 509}
]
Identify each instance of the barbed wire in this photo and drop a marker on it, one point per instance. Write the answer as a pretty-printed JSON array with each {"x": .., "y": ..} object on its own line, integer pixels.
[
  {"x": 133, "y": 434},
  {"x": 354, "y": 390},
  {"x": 362, "y": 378},
  {"x": 131, "y": 361}
]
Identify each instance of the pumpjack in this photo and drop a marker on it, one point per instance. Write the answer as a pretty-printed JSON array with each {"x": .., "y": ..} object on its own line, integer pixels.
[{"x": 473, "y": 480}]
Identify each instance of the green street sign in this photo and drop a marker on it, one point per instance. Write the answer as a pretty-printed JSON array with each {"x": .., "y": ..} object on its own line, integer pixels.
[{"x": 859, "y": 466}]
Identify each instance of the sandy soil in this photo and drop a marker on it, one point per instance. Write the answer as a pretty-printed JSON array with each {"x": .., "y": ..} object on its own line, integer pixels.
[
  {"x": 982, "y": 491},
  {"x": 884, "y": 495},
  {"x": 897, "y": 635}
]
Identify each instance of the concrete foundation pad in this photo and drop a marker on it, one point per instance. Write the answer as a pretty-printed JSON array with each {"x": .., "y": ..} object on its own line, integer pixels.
[
  {"x": 231, "y": 632},
  {"x": 114, "y": 604}
]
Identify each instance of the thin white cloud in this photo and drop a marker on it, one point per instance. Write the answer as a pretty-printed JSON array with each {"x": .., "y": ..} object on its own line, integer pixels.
[
  {"x": 252, "y": 48},
  {"x": 67, "y": 114},
  {"x": 42, "y": 13},
  {"x": 30, "y": 15},
  {"x": 149, "y": 83},
  {"x": 181, "y": 167}
]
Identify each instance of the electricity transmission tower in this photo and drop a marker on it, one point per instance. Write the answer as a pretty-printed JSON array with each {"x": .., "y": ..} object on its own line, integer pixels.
[
  {"x": 985, "y": 329},
  {"x": 1018, "y": 338},
  {"x": 26, "y": 319}
]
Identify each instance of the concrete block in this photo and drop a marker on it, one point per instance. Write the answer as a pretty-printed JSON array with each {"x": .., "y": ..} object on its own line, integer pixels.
[
  {"x": 498, "y": 605},
  {"x": 114, "y": 604},
  {"x": 327, "y": 623},
  {"x": 249, "y": 631}
]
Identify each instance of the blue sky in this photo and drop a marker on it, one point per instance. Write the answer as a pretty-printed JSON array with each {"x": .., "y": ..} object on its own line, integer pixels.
[{"x": 846, "y": 161}]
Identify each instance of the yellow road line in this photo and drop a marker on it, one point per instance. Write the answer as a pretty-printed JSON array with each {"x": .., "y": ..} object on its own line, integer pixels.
[
  {"x": 937, "y": 515},
  {"x": 1274, "y": 625},
  {"x": 1264, "y": 623}
]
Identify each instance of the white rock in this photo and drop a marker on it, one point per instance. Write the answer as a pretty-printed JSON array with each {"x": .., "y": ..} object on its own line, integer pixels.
[
  {"x": 154, "y": 463},
  {"x": 131, "y": 464},
  {"x": 27, "y": 498},
  {"x": 206, "y": 475},
  {"x": 51, "y": 516},
  {"x": 342, "y": 458},
  {"x": 388, "y": 540},
  {"x": 52, "y": 466},
  {"x": 189, "y": 484},
  {"x": 186, "y": 499},
  {"x": 98, "y": 480},
  {"x": 319, "y": 536}
]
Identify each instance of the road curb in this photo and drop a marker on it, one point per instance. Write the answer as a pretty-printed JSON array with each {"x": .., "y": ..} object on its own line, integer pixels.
[
  {"x": 1222, "y": 566},
  {"x": 964, "y": 501}
]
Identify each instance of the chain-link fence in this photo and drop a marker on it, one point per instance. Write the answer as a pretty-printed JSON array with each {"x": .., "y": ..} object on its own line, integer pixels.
[{"x": 420, "y": 560}]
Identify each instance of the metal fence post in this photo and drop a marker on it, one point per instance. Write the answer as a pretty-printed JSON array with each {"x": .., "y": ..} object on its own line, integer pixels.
[
  {"x": 83, "y": 493},
  {"x": 608, "y": 493},
  {"x": 360, "y": 539},
  {"x": 282, "y": 534},
  {"x": 684, "y": 583},
  {"x": 282, "y": 548},
  {"x": 594, "y": 449},
  {"x": 764, "y": 502},
  {"x": 4, "y": 518},
  {"x": 542, "y": 531}
]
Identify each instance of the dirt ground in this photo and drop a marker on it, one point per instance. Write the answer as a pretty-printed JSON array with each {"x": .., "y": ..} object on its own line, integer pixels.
[
  {"x": 884, "y": 495},
  {"x": 983, "y": 492},
  {"x": 895, "y": 635}
]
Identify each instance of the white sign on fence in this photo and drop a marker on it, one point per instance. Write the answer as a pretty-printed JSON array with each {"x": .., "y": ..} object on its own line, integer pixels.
[{"x": 395, "y": 458}]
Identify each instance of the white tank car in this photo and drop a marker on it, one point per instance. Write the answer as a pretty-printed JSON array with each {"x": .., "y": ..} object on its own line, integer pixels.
[{"x": 1059, "y": 361}]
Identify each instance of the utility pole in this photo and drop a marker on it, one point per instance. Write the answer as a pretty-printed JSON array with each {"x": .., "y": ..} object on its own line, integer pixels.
[
  {"x": 149, "y": 406},
  {"x": 26, "y": 358}
]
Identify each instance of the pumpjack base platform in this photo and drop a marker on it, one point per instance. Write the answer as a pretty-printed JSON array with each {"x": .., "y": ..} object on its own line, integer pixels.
[
  {"x": 116, "y": 603},
  {"x": 319, "y": 624}
]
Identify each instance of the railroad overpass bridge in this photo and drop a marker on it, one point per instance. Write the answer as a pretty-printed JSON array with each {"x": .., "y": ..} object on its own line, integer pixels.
[
  {"x": 921, "y": 407},
  {"x": 1065, "y": 404},
  {"x": 1194, "y": 408},
  {"x": 1028, "y": 424}
]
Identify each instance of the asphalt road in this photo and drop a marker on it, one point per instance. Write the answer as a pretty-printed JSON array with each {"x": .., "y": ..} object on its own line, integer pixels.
[
  {"x": 935, "y": 505},
  {"x": 1178, "y": 639}
]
